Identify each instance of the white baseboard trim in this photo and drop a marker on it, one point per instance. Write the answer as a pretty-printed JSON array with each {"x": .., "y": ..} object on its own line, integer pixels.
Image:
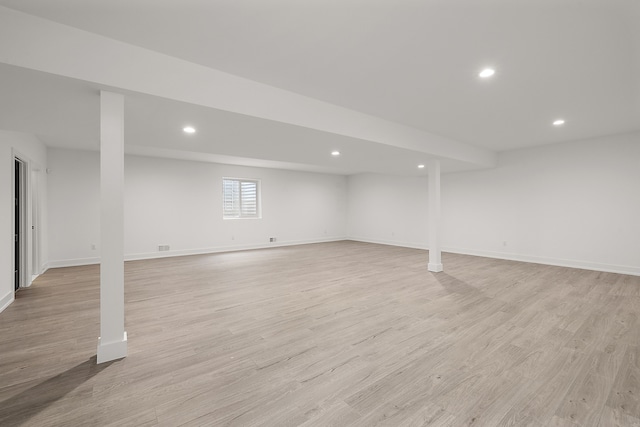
[
  {"x": 389, "y": 242},
  {"x": 6, "y": 301},
  {"x": 43, "y": 268},
  {"x": 585, "y": 265},
  {"x": 111, "y": 351},
  {"x": 73, "y": 262},
  {"x": 231, "y": 248},
  {"x": 609, "y": 268},
  {"x": 186, "y": 252}
]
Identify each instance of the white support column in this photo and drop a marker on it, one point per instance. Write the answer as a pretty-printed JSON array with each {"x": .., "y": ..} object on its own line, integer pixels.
[
  {"x": 112, "y": 343},
  {"x": 435, "y": 259}
]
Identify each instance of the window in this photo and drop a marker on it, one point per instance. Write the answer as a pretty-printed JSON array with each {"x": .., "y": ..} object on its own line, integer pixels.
[{"x": 240, "y": 198}]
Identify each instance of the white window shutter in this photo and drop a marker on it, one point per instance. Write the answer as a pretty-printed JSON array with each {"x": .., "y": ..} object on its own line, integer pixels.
[{"x": 241, "y": 198}]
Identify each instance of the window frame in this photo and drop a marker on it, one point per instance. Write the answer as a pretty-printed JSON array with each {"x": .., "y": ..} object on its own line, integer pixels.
[{"x": 258, "y": 186}]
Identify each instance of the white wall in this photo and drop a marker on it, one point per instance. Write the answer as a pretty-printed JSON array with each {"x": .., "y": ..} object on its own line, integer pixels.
[
  {"x": 388, "y": 209},
  {"x": 179, "y": 203},
  {"x": 30, "y": 149},
  {"x": 74, "y": 206},
  {"x": 575, "y": 204}
]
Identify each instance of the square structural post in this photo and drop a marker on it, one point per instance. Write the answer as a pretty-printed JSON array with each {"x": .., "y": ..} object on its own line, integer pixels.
[
  {"x": 435, "y": 256},
  {"x": 112, "y": 343}
]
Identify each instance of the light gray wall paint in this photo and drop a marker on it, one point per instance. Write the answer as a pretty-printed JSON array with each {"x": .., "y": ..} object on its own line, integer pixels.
[
  {"x": 574, "y": 204},
  {"x": 179, "y": 203},
  {"x": 388, "y": 209},
  {"x": 74, "y": 205}
]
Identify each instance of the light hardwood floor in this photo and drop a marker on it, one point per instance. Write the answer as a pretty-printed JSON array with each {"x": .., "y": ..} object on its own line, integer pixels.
[{"x": 334, "y": 334}]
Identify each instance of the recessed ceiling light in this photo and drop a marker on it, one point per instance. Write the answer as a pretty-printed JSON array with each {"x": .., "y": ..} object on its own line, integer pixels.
[
  {"x": 335, "y": 153},
  {"x": 420, "y": 166},
  {"x": 487, "y": 72},
  {"x": 189, "y": 129},
  {"x": 558, "y": 122}
]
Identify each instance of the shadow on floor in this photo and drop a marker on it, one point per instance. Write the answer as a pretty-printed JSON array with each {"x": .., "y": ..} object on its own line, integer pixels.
[
  {"x": 19, "y": 409},
  {"x": 453, "y": 285}
]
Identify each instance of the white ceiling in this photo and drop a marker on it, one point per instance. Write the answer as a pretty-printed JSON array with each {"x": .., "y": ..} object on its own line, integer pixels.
[
  {"x": 65, "y": 113},
  {"x": 409, "y": 61}
]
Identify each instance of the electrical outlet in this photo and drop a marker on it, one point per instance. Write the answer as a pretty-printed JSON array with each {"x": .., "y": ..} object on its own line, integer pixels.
[
  {"x": 93, "y": 246},
  {"x": 163, "y": 248},
  {"x": 272, "y": 239}
]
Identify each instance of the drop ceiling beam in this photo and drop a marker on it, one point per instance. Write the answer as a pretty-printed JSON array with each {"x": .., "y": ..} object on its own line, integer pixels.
[{"x": 38, "y": 44}]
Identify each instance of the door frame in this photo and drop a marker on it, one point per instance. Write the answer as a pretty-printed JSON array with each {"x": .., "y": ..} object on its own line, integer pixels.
[
  {"x": 25, "y": 232},
  {"x": 35, "y": 223}
]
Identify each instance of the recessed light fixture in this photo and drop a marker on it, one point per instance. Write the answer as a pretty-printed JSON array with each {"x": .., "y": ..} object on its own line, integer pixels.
[
  {"x": 487, "y": 72},
  {"x": 420, "y": 166},
  {"x": 558, "y": 122},
  {"x": 189, "y": 129},
  {"x": 335, "y": 153}
]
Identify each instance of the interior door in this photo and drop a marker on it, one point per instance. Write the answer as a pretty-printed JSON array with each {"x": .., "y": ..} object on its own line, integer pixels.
[{"x": 16, "y": 224}]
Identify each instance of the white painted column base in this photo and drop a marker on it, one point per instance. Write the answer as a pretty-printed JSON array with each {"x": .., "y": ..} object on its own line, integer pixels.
[
  {"x": 436, "y": 268},
  {"x": 112, "y": 350}
]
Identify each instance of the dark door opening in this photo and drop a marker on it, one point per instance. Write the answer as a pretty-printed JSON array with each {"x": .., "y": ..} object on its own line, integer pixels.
[{"x": 16, "y": 222}]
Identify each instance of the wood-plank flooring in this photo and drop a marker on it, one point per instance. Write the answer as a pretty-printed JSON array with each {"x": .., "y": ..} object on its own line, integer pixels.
[{"x": 332, "y": 334}]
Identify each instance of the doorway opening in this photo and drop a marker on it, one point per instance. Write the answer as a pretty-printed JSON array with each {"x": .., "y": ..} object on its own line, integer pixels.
[{"x": 19, "y": 224}]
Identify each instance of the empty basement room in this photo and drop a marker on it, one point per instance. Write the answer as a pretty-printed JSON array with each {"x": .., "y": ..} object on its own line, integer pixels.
[{"x": 320, "y": 213}]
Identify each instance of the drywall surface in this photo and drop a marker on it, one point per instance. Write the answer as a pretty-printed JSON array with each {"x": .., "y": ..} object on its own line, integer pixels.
[
  {"x": 179, "y": 203},
  {"x": 388, "y": 209},
  {"x": 74, "y": 206},
  {"x": 59, "y": 49},
  {"x": 31, "y": 150},
  {"x": 575, "y": 204}
]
